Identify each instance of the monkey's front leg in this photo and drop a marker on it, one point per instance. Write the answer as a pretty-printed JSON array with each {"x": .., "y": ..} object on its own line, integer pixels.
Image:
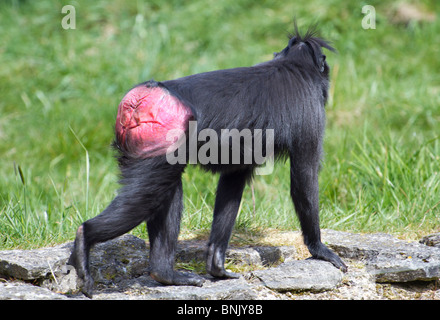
[
  {"x": 305, "y": 196},
  {"x": 229, "y": 192}
]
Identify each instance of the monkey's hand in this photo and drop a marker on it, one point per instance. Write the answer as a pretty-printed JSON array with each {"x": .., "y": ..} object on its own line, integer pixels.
[{"x": 321, "y": 252}]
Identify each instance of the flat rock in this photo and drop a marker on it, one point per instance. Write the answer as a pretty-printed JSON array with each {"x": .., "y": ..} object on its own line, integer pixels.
[
  {"x": 120, "y": 269},
  {"x": 124, "y": 257},
  {"x": 123, "y": 263},
  {"x": 24, "y": 291},
  {"x": 386, "y": 257},
  {"x": 144, "y": 287},
  {"x": 300, "y": 275},
  {"x": 33, "y": 264},
  {"x": 256, "y": 255}
]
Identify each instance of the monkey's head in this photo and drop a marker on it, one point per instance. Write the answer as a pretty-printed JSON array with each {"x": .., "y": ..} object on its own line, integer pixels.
[{"x": 306, "y": 51}]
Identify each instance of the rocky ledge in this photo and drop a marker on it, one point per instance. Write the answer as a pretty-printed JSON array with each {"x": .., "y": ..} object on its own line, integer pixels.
[{"x": 380, "y": 267}]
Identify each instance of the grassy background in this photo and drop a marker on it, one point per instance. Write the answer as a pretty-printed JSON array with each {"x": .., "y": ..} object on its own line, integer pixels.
[{"x": 60, "y": 89}]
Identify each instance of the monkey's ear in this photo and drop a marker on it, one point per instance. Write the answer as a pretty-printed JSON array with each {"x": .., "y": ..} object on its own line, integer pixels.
[
  {"x": 292, "y": 41},
  {"x": 322, "y": 63}
]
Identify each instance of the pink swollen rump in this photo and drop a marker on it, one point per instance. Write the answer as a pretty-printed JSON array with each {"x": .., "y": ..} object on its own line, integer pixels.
[{"x": 151, "y": 121}]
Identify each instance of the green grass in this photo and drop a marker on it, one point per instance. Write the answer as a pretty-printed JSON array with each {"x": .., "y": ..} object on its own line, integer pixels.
[{"x": 60, "y": 89}]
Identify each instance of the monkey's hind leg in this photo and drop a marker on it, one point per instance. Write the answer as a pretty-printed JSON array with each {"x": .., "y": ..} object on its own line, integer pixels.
[
  {"x": 149, "y": 187},
  {"x": 111, "y": 223},
  {"x": 163, "y": 231}
]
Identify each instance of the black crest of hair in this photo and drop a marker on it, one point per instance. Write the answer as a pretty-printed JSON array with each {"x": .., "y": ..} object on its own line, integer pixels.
[
  {"x": 286, "y": 94},
  {"x": 311, "y": 34}
]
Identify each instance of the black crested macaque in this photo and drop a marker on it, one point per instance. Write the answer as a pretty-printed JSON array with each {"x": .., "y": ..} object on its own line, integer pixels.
[{"x": 286, "y": 94}]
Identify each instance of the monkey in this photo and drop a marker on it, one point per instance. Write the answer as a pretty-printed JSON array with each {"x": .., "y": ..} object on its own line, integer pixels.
[{"x": 286, "y": 94}]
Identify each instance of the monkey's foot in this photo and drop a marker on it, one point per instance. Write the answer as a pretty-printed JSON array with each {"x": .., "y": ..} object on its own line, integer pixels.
[
  {"x": 85, "y": 281},
  {"x": 87, "y": 287},
  {"x": 78, "y": 259},
  {"x": 215, "y": 264},
  {"x": 178, "y": 278},
  {"x": 321, "y": 252},
  {"x": 223, "y": 274}
]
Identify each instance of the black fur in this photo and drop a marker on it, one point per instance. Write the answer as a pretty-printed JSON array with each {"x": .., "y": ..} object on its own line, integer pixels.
[{"x": 286, "y": 94}]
